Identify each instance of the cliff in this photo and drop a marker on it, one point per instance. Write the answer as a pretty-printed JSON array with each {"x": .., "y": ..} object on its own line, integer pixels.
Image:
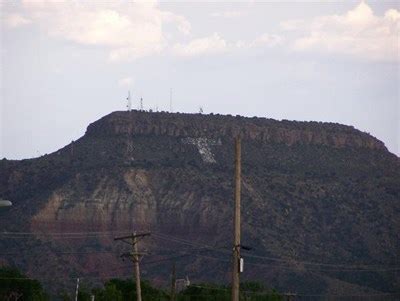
[
  {"x": 312, "y": 193},
  {"x": 217, "y": 126}
]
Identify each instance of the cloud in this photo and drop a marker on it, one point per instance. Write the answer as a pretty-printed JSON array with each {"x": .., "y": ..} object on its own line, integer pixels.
[
  {"x": 181, "y": 22},
  {"x": 268, "y": 40},
  {"x": 215, "y": 44},
  {"x": 212, "y": 44},
  {"x": 129, "y": 30},
  {"x": 227, "y": 14},
  {"x": 263, "y": 41},
  {"x": 15, "y": 20},
  {"x": 359, "y": 33},
  {"x": 126, "y": 82}
]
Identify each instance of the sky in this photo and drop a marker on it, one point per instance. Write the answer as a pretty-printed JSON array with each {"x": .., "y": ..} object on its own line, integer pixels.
[{"x": 65, "y": 64}]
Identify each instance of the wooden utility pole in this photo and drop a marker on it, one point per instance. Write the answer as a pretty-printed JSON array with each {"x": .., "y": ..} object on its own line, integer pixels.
[
  {"x": 133, "y": 240},
  {"x": 236, "y": 223},
  {"x": 77, "y": 289},
  {"x": 173, "y": 282},
  {"x": 136, "y": 265}
]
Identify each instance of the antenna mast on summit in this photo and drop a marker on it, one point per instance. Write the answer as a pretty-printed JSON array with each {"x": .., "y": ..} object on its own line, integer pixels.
[
  {"x": 129, "y": 104},
  {"x": 170, "y": 100},
  {"x": 141, "y": 103}
]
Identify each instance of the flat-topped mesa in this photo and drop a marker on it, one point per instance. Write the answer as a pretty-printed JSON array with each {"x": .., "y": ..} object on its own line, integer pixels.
[{"x": 218, "y": 126}]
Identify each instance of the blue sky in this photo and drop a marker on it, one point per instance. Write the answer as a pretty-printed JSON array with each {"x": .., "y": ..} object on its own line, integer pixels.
[{"x": 65, "y": 64}]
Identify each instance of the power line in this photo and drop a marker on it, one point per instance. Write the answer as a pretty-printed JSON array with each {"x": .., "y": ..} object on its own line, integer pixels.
[
  {"x": 292, "y": 261},
  {"x": 304, "y": 268},
  {"x": 209, "y": 257},
  {"x": 64, "y": 253},
  {"x": 224, "y": 260},
  {"x": 347, "y": 266},
  {"x": 298, "y": 295},
  {"x": 64, "y": 233},
  {"x": 157, "y": 253},
  {"x": 82, "y": 235},
  {"x": 359, "y": 295},
  {"x": 211, "y": 288},
  {"x": 194, "y": 244}
]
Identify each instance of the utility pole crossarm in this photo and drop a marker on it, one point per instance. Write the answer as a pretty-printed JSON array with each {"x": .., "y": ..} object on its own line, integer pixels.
[
  {"x": 132, "y": 236},
  {"x": 134, "y": 256}
]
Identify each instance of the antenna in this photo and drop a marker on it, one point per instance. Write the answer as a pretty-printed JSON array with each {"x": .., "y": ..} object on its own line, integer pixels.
[
  {"x": 141, "y": 103},
  {"x": 129, "y": 104},
  {"x": 170, "y": 100}
]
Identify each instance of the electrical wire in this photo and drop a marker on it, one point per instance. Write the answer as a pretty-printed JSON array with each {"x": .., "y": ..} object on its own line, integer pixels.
[
  {"x": 294, "y": 294},
  {"x": 345, "y": 267},
  {"x": 82, "y": 235},
  {"x": 98, "y": 233},
  {"x": 300, "y": 268}
]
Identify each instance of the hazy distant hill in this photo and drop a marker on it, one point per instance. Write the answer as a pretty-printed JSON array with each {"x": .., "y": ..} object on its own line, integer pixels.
[{"x": 312, "y": 193}]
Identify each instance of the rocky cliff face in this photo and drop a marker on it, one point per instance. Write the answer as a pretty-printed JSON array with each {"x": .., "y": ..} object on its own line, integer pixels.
[
  {"x": 217, "y": 126},
  {"x": 312, "y": 192}
]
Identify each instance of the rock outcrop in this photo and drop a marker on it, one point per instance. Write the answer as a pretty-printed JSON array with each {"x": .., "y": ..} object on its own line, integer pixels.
[
  {"x": 216, "y": 126},
  {"x": 312, "y": 192}
]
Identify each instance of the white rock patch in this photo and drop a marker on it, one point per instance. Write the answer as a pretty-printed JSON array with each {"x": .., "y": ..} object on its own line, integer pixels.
[{"x": 204, "y": 147}]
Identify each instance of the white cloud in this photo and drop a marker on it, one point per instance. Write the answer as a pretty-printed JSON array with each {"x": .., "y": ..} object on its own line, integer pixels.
[
  {"x": 15, "y": 20},
  {"x": 129, "y": 30},
  {"x": 212, "y": 44},
  {"x": 268, "y": 40},
  {"x": 126, "y": 82},
  {"x": 358, "y": 32},
  {"x": 263, "y": 41},
  {"x": 215, "y": 44},
  {"x": 181, "y": 22},
  {"x": 227, "y": 14},
  {"x": 292, "y": 24}
]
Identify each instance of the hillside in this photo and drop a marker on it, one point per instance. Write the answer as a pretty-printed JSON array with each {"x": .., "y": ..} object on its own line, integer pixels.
[{"x": 312, "y": 193}]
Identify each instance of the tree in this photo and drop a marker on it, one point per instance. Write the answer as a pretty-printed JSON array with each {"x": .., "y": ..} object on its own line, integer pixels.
[
  {"x": 118, "y": 290},
  {"x": 16, "y": 286},
  {"x": 63, "y": 296},
  {"x": 205, "y": 292},
  {"x": 110, "y": 292},
  {"x": 256, "y": 291},
  {"x": 249, "y": 291},
  {"x": 83, "y": 294}
]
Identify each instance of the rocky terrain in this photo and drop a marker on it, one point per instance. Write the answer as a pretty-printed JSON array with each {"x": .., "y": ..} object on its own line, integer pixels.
[{"x": 320, "y": 204}]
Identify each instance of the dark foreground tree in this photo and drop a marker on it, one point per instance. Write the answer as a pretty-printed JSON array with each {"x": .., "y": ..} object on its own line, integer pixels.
[
  {"x": 249, "y": 291},
  {"x": 120, "y": 290},
  {"x": 16, "y": 286}
]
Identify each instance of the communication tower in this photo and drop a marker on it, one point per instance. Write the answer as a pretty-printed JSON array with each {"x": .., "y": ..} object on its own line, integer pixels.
[
  {"x": 129, "y": 103},
  {"x": 170, "y": 100}
]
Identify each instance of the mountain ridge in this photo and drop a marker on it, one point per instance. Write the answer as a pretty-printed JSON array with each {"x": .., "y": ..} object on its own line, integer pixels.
[
  {"x": 257, "y": 128},
  {"x": 311, "y": 191}
]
